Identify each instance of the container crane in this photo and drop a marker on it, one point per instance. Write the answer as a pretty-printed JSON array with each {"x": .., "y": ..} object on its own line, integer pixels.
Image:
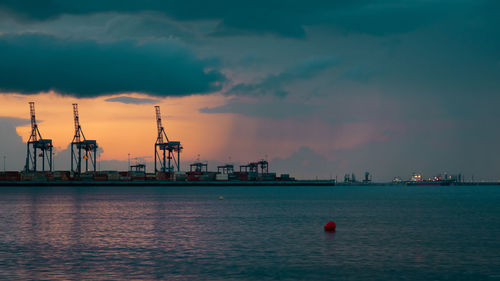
[
  {"x": 79, "y": 144},
  {"x": 166, "y": 151},
  {"x": 35, "y": 143}
]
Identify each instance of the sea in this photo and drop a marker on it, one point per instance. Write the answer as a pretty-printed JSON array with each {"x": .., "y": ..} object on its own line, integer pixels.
[{"x": 250, "y": 233}]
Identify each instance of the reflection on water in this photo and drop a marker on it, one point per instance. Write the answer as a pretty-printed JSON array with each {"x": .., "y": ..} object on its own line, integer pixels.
[{"x": 384, "y": 233}]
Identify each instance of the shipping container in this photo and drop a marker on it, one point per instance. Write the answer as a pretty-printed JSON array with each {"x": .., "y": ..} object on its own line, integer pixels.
[
  {"x": 10, "y": 176},
  {"x": 112, "y": 175},
  {"x": 180, "y": 176},
  {"x": 222, "y": 177},
  {"x": 164, "y": 176},
  {"x": 191, "y": 177}
]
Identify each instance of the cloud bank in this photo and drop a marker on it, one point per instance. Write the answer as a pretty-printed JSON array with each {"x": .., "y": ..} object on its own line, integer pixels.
[
  {"x": 33, "y": 63},
  {"x": 275, "y": 83},
  {"x": 132, "y": 100},
  {"x": 284, "y": 19}
]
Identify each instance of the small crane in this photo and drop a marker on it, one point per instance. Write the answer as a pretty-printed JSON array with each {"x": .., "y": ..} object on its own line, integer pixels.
[
  {"x": 166, "y": 151},
  {"x": 80, "y": 143},
  {"x": 36, "y": 142}
]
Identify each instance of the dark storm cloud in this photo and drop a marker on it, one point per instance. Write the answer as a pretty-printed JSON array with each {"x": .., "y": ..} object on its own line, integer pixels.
[
  {"x": 425, "y": 72},
  {"x": 359, "y": 74},
  {"x": 255, "y": 16},
  {"x": 145, "y": 25},
  {"x": 32, "y": 63},
  {"x": 275, "y": 83},
  {"x": 131, "y": 100},
  {"x": 384, "y": 17},
  {"x": 280, "y": 18}
]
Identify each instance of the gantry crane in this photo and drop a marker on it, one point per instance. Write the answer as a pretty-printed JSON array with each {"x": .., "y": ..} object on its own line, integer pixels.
[
  {"x": 253, "y": 167},
  {"x": 35, "y": 143},
  {"x": 165, "y": 150},
  {"x": 80, "y": 143}
]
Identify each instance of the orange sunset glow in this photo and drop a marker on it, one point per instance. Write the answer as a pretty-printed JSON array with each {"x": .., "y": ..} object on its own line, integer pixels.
[{"x": 123, "y": 128}]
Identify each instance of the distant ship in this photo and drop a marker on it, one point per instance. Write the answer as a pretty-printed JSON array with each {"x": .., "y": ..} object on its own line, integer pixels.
[
  {"x": 431, "y": 182},
  {"x": 417, "y": 179}
]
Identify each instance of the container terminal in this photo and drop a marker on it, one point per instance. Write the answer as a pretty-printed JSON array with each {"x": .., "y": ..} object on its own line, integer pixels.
[{"x": 38, "y": 169}]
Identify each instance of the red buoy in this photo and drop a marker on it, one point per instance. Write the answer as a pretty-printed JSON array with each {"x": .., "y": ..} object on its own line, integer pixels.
[{"x": 330, "y": 226}]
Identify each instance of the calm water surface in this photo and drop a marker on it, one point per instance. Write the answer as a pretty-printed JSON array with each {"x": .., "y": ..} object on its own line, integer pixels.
[{"x": 258, "y": 233}]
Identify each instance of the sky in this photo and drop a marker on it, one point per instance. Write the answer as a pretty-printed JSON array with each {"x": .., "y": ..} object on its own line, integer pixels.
[{"x": 318, "y": 88}]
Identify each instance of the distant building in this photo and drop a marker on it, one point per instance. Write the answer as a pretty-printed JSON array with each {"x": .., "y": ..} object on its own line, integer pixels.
[
  {"x": 368, "y": 178},
  {"x": 397, "y": 180},
  {"x": 347, "y": 178}
]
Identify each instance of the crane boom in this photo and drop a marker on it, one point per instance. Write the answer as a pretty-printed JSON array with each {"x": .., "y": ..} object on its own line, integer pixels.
[
  {"x": 34, "y": 127},
  {"x": 37, "y": 147},
  {"x": 77, "y": 123},
  {"x": 165, "y": 149},
  {"x": 32, "y": 113},
  {"x": 158, "y": 124},
  {"x": 81, "y": 144}
]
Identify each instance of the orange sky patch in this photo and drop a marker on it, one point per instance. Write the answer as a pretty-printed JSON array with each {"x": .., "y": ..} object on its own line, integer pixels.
[{"x": 125, "y": 128}]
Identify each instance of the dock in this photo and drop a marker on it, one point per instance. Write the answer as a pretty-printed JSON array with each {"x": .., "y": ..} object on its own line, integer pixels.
[{"x": 168, "y": 183}]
